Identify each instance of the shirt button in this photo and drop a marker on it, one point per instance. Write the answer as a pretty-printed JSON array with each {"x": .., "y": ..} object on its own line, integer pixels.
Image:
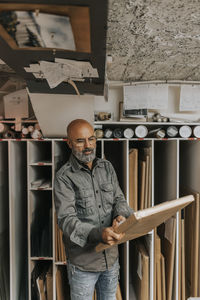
[
  {"x": 97, "y": 191},
  {"x": 99, "y": 206},
  {"x": 102, "y": 222}
]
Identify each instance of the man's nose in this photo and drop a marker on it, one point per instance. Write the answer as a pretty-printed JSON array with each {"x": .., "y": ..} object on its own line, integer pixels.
[{"x": 87, "y": 144}]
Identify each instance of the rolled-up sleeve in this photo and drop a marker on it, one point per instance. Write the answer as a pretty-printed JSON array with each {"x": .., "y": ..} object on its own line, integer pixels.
[
  {"x": 72, "y": 227},
  {"x": 120, "y": 207}
]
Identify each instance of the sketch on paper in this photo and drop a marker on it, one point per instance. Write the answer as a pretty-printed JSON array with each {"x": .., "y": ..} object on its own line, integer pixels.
[{"x": 30, "y": 29}]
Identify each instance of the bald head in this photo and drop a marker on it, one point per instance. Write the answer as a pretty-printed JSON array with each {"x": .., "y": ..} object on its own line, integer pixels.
[
  {"x": 76, "y": 126},
  {"x": 81, "y": 140}
]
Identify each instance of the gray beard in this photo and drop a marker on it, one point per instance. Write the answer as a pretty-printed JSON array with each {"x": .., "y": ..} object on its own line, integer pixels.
[{"x": 84, "y": 157}]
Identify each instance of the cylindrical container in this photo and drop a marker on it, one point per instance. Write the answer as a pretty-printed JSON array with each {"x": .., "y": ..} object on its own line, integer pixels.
[
  {"x": 165, "y": 119},
  {"x": 37, "y": 126},
  {"x": 141, "y": 131},
  {"x": 118, "y": 133},
  {"x": 3, "y": 127},
  {"x": 98, "y": 133},
  {"x": 128, "y": 133},
  {"x": 9, "y": 134},
  {"x": 157, "y": 133},
  {"x": 108, "y": 133},
  {"x": 30, "y": 128},
  {"x": 24, "y": 132},
  {"x": 36, "y": 134},
  {"x": 185, "y": 131},
  {"x": 196, "y": 131},
  {"x": 160, "y": 134},
  {"x": 159, "y": 120},
  {"x": 172, "y": 131},
  {"x": 156, "y": 117}
]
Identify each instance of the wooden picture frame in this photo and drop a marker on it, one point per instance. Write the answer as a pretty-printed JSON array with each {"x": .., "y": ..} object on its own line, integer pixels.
[{"x": 79, "y": 19}]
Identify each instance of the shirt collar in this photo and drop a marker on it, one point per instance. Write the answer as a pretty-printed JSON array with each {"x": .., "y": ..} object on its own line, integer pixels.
[{"x": 78, "y": 165}]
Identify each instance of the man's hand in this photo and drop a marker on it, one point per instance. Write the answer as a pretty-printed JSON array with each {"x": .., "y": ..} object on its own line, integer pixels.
[
  {"x": 110, "y": 237},
  {"x": 117, "y": 221}
]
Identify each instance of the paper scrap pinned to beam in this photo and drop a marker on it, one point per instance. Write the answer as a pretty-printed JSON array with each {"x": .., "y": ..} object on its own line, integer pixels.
[
  {"x": 143, "y": 221},
  {"x": 62, "y": 70},
  {"x": 84, "y": 66}
]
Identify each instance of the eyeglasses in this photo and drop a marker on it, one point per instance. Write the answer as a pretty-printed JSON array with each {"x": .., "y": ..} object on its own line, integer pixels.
[{"x": 81, "y": 142}]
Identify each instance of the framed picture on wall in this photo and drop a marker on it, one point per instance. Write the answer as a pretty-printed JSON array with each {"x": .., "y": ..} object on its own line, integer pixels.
[{"x": 28, "y": 26}]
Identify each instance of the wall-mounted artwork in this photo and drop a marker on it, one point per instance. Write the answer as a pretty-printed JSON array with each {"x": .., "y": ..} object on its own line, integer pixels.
[
  {"x": 32, "y": 29},
  {"x": 28, "y": 26}
]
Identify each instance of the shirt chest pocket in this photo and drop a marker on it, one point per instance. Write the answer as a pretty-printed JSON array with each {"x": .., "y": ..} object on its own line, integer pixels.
[
  {"x": 107, "y": 195},
  {"x": 84, "y": 202}
]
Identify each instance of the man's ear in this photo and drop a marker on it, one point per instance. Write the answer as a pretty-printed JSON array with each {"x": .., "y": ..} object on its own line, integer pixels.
[{"x": 69, "y": 143}]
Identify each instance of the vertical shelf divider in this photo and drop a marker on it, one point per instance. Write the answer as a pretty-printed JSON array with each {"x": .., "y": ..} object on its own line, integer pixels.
[
  {"x": 152, "y": 257},
  {"x": 126, "y": 184},
  {"x": 4, "y": 219},
  {"x": 102, "y": 148},
  {"x": 29, "y": 218},
  {"x": 53, "y": 220},
  {"x": 178, "y": 236},
  {"x": 18, "y": 225},
  {"x": 12, "y": 284}
]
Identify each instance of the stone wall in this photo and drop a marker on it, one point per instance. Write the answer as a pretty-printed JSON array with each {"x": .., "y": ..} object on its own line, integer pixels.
[{"x": 154, "y": 40}]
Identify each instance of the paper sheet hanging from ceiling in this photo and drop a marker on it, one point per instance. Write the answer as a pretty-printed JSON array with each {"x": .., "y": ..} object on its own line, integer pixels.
[
  {"x": 16, "y": 104},
  {"x": 55, "y": 112},
  {"x": 190, "y": 98},
  {"x": 150, "y": 96}
]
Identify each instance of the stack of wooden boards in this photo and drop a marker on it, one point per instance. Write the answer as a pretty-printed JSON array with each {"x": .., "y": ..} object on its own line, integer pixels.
[
  {"x": 42, "y": 281},
  {"x": 140, "y": 177},
  {"x": 189, "y": 263},
  {"x": 62, "y": 285},
  {"x": 60, "y": 255},
  {"x": 165, "y": 258}
]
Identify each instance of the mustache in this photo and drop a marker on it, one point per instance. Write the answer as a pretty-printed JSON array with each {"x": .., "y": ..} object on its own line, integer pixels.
[{"x": 87, "y": 150}]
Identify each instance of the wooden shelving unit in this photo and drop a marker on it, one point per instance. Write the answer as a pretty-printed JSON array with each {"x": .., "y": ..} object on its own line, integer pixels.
[{"x": 27, "y": 213}]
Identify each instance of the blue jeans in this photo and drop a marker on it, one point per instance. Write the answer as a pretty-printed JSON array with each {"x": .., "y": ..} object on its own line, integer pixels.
[{"x": 82, "y": 283}]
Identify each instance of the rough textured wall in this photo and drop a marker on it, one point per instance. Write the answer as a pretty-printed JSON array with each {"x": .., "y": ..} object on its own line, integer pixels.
[{"x": 152, "y": 40}]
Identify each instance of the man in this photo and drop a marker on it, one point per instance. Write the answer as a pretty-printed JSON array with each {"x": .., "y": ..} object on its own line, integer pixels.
[{"x": 89, "y": 205}]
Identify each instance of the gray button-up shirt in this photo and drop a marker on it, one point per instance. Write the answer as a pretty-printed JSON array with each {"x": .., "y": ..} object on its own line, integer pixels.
[{"x": 87, "y": 201}]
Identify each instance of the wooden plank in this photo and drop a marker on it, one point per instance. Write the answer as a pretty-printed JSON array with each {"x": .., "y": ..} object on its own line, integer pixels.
[
  {"x": 179, "y": 260},
  {"x": 158, "y": 269},
  {"x": 60, "y": 295},
  {"x": 192, "y": 224},
  {"x": 133, "y": 179},
  {"x": 146, "y": 182},
  {"x": 155, "y": 273},
  {"x": 141, "y": 275},
  {"x": 163, "y": 281},
  {"x": 150, "y": 177},
  {"x": 142, "y": 177},
  {"x": 169, "y": 254},
  {"x": 118, "y": 293},
  {"x": 196, "y": 247},
  {"x": 183, "y": 296}
]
